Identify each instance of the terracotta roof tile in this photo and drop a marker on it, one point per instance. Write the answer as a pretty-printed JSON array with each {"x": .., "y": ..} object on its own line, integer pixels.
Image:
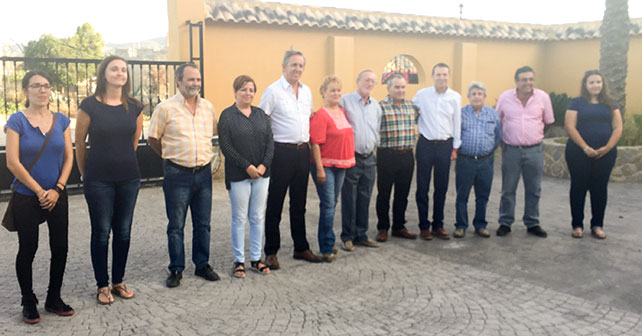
[{"x": 321, "y": 17}]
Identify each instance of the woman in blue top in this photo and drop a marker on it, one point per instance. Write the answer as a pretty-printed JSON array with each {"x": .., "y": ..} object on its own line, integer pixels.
[
  {"x": 40, "y": 193},
  {"x": 594, "y": 126},
  {"x": 111, "y": 178}
]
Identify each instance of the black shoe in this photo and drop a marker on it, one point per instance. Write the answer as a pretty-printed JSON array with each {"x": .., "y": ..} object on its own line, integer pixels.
[
  {"x": 174, "y": 279},
  {"x": 30, "y": 310},
  {"x": 207, "y": 273},
  {"x": 503, "y": 230},
  {"x": 59, "y": 307},
  {"x": 537, "y": 231}
]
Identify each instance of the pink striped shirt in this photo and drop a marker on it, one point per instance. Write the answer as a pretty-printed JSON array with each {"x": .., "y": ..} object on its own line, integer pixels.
[{"x": 524, "y": 125}]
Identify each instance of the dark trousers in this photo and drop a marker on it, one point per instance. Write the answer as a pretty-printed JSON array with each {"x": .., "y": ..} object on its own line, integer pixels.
[
  {"x": 355, "y": 198},
  {"x": 290, "y": 169},
  {"x": 394, "y": 168},
  {"x": 588, "y": 174},
  {"x": 28, "y": 216},
  {"x": 433, "y": 157}
]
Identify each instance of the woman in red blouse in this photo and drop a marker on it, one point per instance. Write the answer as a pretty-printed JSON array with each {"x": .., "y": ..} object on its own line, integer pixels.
[{"x": 332, "y": 144}]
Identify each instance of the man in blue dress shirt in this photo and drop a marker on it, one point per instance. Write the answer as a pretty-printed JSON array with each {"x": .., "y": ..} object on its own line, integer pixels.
[{"x": 481, "y": 132}]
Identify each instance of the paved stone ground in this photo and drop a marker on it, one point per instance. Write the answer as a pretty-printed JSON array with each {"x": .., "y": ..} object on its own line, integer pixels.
[{"x": 518, "y": 285}]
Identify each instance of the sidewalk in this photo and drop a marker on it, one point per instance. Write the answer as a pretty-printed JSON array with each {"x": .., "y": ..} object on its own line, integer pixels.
[{"x": 516, "y": 285}]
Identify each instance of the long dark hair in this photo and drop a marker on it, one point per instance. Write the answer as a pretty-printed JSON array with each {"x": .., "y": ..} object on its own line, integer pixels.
[
  {"x": 101, "y": 85},
  {"x": 27, "y": 78},
  {"x": 603, "y": 97}
]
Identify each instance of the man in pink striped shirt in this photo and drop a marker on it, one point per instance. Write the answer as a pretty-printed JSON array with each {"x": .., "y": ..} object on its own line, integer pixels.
[{"x": 525, "y": 112}]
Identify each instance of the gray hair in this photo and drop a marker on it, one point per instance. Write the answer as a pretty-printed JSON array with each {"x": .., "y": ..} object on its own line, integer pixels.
[
  {"x": 393, "y": 77},
  {"x": 476, "y": 85},
  {"x": 363, "y": 72},
  {"x": 290, "y": 53}
]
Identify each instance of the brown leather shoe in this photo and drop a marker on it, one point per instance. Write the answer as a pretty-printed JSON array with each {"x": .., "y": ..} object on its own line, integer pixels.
[
  {"x": 441, "y": 234},
  {"x": 382, "y": 236},
  {"x": 272, "y": 262},
  {"x": 425, "y": 234},
  {"x": 403, "y": 233},
  {"x": 307, "y": 255}
]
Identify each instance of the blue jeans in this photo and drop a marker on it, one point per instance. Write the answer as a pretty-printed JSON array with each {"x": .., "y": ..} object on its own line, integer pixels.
[
  {"x": 527, "y": 162},
  {"x": 470, "y": 172},
  {"x": 355, "y": 198},
  {"x": 185, "y": 189},
  {"x": 328, "y": 196},
  {"x": 433, "y": 157},
  {"x": 111, "y": 208},
  {"x": 248, "y": 199}
]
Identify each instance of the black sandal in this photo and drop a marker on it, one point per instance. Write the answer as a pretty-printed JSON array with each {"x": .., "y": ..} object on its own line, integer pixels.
[
  {"x": 259, "y": 267},
  {"x": 239, "y": 270}
]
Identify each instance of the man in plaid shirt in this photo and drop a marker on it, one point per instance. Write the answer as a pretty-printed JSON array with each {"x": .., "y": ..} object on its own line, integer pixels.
[{"x": 395, "y": 160}]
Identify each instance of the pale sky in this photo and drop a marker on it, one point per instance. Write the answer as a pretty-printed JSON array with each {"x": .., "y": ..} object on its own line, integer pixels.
[{"x": 122, "y": 21}]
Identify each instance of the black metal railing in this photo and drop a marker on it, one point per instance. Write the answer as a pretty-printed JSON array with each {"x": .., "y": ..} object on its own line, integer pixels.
[{"x": 75, "y": 79}]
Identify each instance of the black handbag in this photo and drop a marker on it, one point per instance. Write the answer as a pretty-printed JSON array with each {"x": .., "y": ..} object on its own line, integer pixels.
[{"x": 8, "y": 219}]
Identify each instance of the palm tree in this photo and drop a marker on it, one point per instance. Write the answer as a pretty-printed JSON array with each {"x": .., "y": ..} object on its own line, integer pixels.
[{"x": 614, "y": 47}]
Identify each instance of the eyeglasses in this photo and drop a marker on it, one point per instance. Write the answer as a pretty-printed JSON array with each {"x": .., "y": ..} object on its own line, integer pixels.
[{"x": 38, "y": 86}]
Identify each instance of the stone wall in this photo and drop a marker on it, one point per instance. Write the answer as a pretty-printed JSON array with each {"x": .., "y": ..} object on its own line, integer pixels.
[{"x": 628, "y": 167}]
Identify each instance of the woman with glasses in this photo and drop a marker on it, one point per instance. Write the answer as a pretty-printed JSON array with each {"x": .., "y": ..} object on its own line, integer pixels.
[{"x": 41, "y": 173}]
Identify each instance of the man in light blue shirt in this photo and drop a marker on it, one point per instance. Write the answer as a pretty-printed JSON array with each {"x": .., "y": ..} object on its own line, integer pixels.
[
  {"x": 364, "y": 114},
  {"x": 481, "y": 132}
]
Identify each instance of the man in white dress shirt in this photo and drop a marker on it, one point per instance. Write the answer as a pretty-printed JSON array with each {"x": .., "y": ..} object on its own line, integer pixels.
[
  {"x": 288, "y": 102},
  {"x": 439, "y": 127}
]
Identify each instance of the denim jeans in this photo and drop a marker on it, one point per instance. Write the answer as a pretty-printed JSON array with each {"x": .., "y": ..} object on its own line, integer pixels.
[
  {"x": 185, "y": 189},
  {"x": 355, "y": 198},
  {"x": 248, "y": 200},
  {"x": 470, "y": 172},
  {"x": 433, "y": 158},
  {"x": 111, "y": 208},
  {"x": 328, "y": 196},
  {"x": 527, "y": 162}
]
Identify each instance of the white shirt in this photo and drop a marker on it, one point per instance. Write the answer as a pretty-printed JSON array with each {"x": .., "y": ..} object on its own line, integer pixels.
[
  {"x": 439, "y": 114},
  {"x": 290, "y": 116}
]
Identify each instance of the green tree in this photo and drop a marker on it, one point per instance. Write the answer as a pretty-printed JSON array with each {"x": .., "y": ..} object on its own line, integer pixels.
[
  {"x": 66, "y": 77},
  {"x": 86, "y": 43},
  {"x": 614, "y": 47}
]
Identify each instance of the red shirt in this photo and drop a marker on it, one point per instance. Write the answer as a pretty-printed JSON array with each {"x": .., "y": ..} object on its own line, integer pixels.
[{"x": 335, "y": 137}]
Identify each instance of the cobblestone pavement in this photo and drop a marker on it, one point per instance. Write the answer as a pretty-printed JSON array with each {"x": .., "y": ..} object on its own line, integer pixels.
[{"x": 517, "y": 285}]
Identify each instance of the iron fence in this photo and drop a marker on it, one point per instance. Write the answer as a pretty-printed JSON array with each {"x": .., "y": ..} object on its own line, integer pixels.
[{"x": 75, "y": 79}]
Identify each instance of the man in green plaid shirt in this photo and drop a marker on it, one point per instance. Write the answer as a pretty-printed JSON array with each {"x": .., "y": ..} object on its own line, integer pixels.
[{"x": 395, "y": 160}]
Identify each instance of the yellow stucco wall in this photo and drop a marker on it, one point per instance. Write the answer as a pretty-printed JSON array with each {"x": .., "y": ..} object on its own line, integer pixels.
[{"x": 232, "y": 49}]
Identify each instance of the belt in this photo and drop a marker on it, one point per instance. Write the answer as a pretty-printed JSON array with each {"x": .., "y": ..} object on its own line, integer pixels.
[
  {"x": 291, "y": 145},
  {"x": 477, "y": 157},
  {"x": 438, "y": 142},
  {"x": 192, "y": 170},
  {"x": 396, "y": 149},
  {"x": 520, "y": 146},
  {"x": 362, "y": 156}
]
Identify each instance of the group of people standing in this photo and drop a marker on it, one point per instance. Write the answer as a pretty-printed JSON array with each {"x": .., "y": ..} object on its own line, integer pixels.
[{"x": 272, "y": 148}]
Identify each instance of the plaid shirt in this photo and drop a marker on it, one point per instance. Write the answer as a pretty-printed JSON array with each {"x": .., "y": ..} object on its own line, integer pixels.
[
  {"x": 186, "y": 139},
  {"x": 398, "y": 124}
]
